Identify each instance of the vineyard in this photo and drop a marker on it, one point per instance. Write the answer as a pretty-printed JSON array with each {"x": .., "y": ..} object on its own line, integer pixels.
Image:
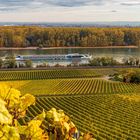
[
  {"x": 46, "y": 74},
  {"x": 108, "y": 109},
  {"x": 106, "y": 116},
  {"x": 73, "y": 86},
  {"x": 56, "y": 74}
]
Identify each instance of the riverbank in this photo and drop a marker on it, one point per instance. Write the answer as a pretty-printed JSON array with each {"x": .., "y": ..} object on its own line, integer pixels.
[{"x": 35, "y": 48}]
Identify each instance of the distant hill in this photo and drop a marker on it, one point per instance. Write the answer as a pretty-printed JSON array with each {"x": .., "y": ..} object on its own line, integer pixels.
[{"x": 74, "y": 24}]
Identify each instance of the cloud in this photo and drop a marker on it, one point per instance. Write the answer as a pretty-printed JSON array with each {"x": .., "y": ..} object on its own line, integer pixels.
[
  {"x": 113, "y": 11},
  {"x": 75, "y": 3},
  {"x": 14, "y": 2},
  {"x": 9, "y": 8},
  {"x": 130, "y": 3},
  {"x": 23, "y": 5},
  {"x": 10, "y": 5},
  {"x": 13, "y": 5},
  {"x": 20, "y": 4}
]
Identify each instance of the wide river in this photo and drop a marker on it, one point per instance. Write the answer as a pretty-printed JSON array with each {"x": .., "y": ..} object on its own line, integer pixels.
[{"x": 117, "y": 53}]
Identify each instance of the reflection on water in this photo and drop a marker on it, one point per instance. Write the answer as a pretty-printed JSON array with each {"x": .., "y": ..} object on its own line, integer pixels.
[{"x": 100, "y": 52}]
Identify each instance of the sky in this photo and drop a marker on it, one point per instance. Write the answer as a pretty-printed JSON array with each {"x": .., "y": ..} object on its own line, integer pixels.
[{"x": 69, "y": 10}]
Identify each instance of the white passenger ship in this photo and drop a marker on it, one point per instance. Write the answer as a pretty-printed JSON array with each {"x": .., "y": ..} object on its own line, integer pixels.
[{"x": 53, "y": 57}]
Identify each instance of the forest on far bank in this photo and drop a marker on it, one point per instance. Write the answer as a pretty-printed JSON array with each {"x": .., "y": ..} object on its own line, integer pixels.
[{"x": 32, "y": 36}]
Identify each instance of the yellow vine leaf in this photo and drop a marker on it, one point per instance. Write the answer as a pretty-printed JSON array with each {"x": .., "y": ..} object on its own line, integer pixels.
[
  {"x": 10, "y": 133},
  {"x": 27, "y": 100},
  {"x": 9, "y": 95},
  {"x": 5, "y": 116}
]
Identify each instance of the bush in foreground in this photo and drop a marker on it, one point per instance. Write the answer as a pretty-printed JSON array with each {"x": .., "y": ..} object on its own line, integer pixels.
[{"x": 13, "y": 106}]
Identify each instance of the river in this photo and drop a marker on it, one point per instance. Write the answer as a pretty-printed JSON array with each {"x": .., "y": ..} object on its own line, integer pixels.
[{"x": 116, "y": 53}]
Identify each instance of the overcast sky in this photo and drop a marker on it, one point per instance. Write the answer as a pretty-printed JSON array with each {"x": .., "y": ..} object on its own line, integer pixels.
[{"x": 69, "y": 10}]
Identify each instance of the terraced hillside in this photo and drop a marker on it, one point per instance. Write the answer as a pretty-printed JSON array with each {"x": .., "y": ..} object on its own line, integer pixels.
[{"x": 108, "y": 117}]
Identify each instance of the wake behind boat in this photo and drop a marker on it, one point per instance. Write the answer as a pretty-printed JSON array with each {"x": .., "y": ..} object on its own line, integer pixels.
[{"x": 53, "y": 57}]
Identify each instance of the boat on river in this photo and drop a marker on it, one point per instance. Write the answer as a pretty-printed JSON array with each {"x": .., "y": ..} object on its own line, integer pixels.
[{"x": 53, "y": 57}]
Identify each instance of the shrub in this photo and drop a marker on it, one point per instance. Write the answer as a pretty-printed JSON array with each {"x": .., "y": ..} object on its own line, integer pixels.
[{"x": 13, "y": 106}]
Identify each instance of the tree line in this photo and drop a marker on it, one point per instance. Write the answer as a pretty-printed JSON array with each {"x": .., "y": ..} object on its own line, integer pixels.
[{"x": 31, "y": 36}]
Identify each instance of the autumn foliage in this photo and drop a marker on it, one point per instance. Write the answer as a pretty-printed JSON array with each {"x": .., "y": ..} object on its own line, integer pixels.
[
  {"x": 13, "y": 106},
  {"x": 31, "y": 36}
]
